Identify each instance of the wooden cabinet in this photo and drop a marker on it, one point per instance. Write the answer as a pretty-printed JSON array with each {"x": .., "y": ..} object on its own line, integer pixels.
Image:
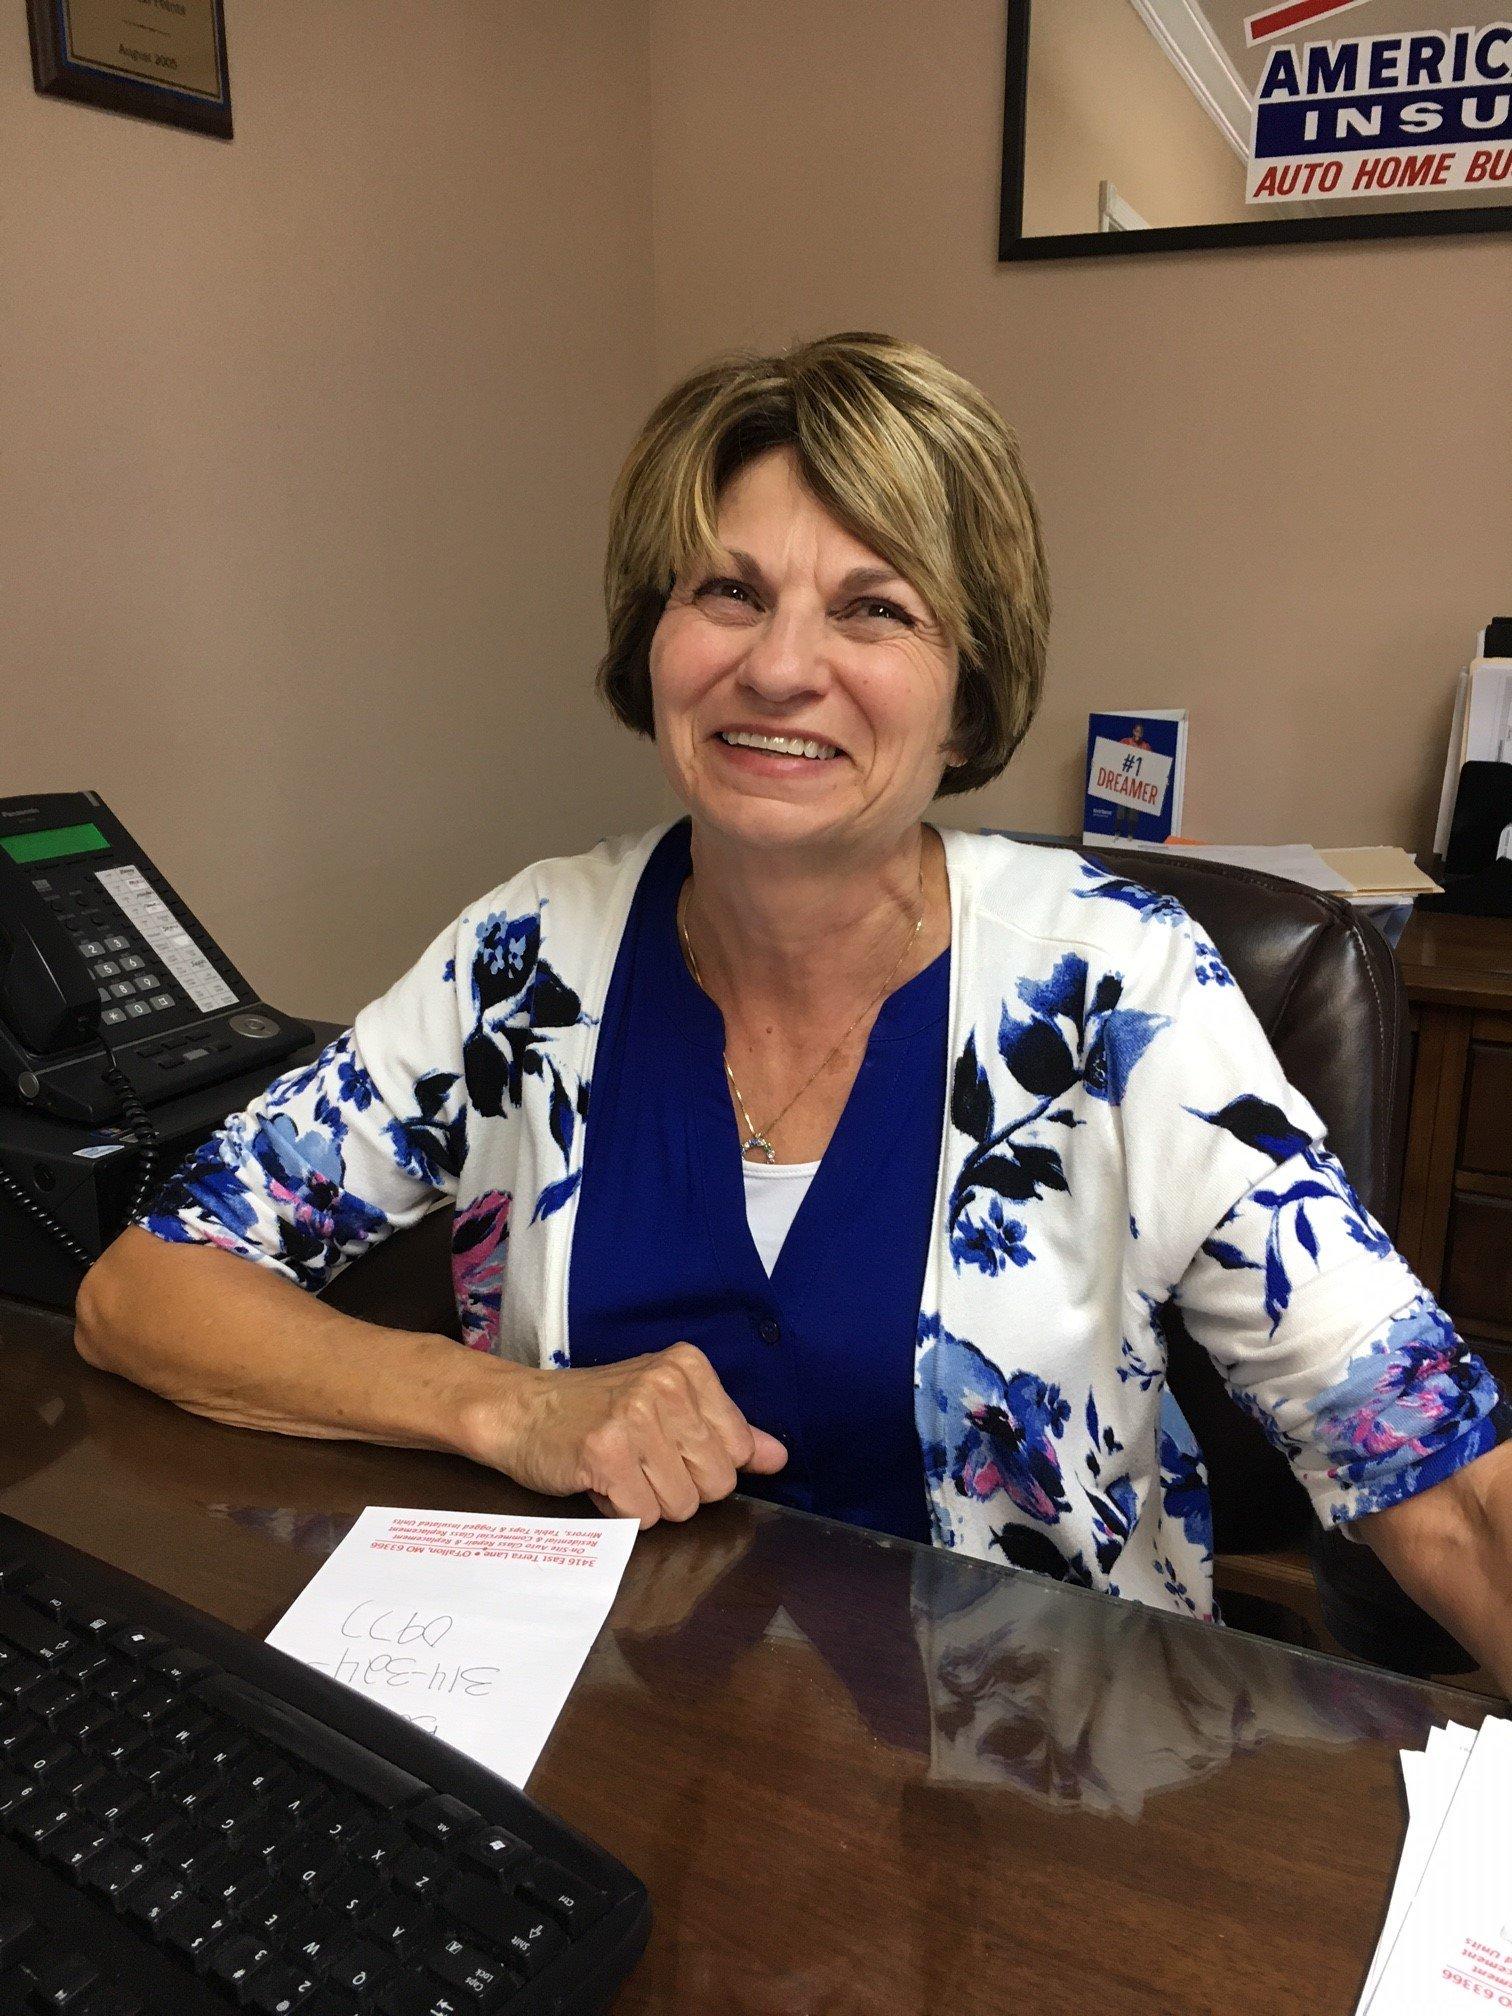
[{"x": 1455, "y": 1225}]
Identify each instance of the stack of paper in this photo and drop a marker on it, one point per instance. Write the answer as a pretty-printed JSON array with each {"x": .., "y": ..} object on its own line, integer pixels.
[
  {"x": 1447, "y": 1940},
  {"x": 1369, "y": 876},
  {"x": 1379, "y": 874}
]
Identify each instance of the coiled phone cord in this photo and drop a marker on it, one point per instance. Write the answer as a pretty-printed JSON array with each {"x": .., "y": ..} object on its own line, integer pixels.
[{"x": 140, "y": 1133}]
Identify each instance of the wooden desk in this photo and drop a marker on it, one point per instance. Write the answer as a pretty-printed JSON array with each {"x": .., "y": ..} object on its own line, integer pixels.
[
  {"x": 860, "y": 1778},
  {"x": 1455, "y": 1226}
]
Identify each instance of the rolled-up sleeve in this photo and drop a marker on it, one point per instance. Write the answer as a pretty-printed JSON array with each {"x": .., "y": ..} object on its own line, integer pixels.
[
  {"x": 339, "y": 1154},
  {"x": 1325, "y": 1336}
]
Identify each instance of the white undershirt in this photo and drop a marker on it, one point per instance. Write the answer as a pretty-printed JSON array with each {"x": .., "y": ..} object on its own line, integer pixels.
[{"x": 773, "y": 1192}]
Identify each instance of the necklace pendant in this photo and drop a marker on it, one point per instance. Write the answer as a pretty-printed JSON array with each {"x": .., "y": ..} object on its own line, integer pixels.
[{"x": 759, "y": 1144}]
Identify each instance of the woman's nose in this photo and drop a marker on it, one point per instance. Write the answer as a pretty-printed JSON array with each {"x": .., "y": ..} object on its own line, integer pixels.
[{"x": 786, "y": 658}]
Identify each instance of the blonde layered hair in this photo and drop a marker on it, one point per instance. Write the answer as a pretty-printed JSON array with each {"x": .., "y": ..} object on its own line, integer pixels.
[{"x": 909, "y": 458}]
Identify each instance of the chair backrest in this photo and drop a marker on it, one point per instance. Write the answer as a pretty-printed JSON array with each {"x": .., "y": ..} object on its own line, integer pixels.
[{"x": 1328, "y": 995}]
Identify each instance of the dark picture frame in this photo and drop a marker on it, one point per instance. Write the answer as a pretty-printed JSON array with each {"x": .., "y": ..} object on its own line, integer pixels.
[
  {"x": 60, "y": 70},
  {"x": 1014, "y": 246}
]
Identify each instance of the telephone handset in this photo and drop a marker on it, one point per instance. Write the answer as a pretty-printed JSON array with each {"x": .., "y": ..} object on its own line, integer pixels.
[{"x": 106, "y": 976}]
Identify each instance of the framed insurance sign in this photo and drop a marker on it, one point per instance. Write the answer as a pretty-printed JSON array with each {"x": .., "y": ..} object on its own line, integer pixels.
[{"x": 1148, "y": 125}]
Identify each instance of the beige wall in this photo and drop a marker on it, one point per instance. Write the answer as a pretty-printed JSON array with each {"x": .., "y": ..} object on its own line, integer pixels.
[
  {"x": 1107, "y": 104},
  {"x": 1275, "y": 483},
  {"x": 305, "y": 441},
  {"x": 304, "y": 446}
]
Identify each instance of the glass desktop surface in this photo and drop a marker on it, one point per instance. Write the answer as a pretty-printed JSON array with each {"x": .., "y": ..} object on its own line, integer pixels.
[{"x": 857, "y": 1775}]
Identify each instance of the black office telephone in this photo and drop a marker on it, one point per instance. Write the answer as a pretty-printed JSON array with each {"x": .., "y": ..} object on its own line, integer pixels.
[{"x": 113, "y": 997}]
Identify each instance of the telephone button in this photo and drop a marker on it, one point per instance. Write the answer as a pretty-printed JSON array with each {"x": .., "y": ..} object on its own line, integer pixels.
[
  {"x": 137, "y": 1008},
  {"x": 113, "y": 1015},
  {"x": 194, "y": 1056},
  {"x": 122, "y": 989},
  {"x": 130, "y": 963},
  {"x": 166, "y": 1001},
  {"x": 106, "y": 970},
  {"x": 255, "y": 1025},
  {"x": 118, "y": 945},
  {"x": 41, "y": 884},
  {"x": 145, "y": 981},
  {"x": 92, "y": 948}
]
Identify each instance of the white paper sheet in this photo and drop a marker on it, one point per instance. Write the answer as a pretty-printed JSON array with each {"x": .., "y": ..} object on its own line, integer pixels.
[
  {"x": 1454, "y": 1947},
  {"x": 1429, "y": 1777},
  {"x": 472, "y": 1624}
]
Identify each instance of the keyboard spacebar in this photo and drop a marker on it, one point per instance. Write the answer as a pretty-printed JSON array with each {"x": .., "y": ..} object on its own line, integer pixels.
[{"x": 315, "y": 1743}]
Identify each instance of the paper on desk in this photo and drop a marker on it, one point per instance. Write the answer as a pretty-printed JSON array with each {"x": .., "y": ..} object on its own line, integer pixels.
[
  {"x": 1454, "y": 1947},
  {"x": 1429, "y": 1777},
  {"x": 472, "y": 1624}
]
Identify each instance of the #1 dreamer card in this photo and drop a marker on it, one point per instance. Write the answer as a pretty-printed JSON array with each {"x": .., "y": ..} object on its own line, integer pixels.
[{"x": 1133, "y": 777}]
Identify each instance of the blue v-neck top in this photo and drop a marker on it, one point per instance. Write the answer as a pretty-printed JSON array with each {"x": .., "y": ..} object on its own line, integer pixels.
[{"x": 821, "y": 1352}]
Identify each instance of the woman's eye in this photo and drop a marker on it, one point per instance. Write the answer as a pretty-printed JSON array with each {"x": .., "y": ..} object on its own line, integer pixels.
[
  {"x": 723, "y": 589},
  {"x": 874, "y": 607}
]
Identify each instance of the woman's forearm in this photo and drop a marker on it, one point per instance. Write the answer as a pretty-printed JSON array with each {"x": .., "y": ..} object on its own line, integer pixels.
[
  {"x": 1450, "y": 1548},
  {"x": 220, "y": 1336}
]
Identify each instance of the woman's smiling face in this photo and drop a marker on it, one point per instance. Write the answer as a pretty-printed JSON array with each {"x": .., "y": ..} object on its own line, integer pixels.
[{"x": 802, "y": 690}]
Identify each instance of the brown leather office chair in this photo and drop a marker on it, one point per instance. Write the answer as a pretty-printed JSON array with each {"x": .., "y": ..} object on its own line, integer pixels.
[{"x": 1328, "y": 995}]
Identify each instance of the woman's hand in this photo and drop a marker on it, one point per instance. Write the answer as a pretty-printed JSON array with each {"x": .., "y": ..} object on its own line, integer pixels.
[{"x": 651, "y": 1438}]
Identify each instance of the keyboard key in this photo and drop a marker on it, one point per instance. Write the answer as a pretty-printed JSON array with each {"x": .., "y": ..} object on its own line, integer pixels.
[
  {"x": 354, "y": 1895},
  {"x": 61, "y": 1979},
  {"x": 73, "y": 1846},
  {"x": 466, "y": 1968},
  {"x": 18, "y": 1674},
  {"x": 235, "y": 1959},
  {"x": 279, "y": 1991},
  {"x": 30, "y": 1632},
  {"x": 411, "y": 1997},
  {"x": 43, "y": 1817},
  {"x": 572, "y": 1903},
  {"x": 152, "y": 1900},
  {"x": 191, "y": 1927},
  {"x": 527, "y": 1936},
  {"x": 113, "y": 1873},
  {"x": 494, "y": 1849},
  {"x": 111, "y": 1798},
  {"x": 358, "y": 1966},
  {"x": 445, "y": 1820},
  {"x": 419, "y": 1872},
  {"x": 180, "y": 1667}
]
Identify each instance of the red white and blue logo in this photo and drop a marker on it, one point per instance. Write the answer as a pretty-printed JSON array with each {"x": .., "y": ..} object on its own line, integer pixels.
[{"x": 1375, "y": 115}]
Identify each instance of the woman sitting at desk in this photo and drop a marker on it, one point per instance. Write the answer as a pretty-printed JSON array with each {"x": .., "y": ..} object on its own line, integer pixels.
[{"x": 901, "y": 1143}]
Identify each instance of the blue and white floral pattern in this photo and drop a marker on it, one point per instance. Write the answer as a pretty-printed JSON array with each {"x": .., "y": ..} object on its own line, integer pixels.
[{"x": 1122, "y": 1160}]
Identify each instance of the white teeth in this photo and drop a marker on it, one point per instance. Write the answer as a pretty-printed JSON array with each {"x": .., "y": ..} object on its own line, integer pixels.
[{"x": 779, "y": 745}]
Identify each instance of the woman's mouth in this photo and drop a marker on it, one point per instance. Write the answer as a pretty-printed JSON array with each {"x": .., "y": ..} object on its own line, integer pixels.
[{"x": 805, "y": 746}]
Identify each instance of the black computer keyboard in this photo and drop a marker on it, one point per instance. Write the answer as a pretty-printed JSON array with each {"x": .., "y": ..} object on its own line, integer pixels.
[{"x": 191, "y": 1821}]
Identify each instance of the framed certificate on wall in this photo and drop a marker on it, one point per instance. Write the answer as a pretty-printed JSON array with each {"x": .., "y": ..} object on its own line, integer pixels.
[{"x": 156, "y": 59}]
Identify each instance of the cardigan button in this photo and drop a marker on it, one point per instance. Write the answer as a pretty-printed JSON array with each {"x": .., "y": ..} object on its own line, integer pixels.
[{"x": 769, "y": 1330}]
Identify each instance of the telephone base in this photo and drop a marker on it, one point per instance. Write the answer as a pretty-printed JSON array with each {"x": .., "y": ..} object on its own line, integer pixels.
[{"x": 83, "y": 1176}]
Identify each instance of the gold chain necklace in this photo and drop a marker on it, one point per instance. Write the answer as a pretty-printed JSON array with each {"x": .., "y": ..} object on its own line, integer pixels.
[{"x": 757, "y": 1139}]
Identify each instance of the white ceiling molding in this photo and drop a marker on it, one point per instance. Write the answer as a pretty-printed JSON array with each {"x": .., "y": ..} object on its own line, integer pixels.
[{"x": 1183, "y": 32}]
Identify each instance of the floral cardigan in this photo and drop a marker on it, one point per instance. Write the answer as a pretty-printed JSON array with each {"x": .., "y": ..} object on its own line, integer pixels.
[{"x": 1121, "y": 1154}]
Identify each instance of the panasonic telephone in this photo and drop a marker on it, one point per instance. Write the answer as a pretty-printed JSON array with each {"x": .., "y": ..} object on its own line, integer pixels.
[{"x": 114, "y": 999}]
